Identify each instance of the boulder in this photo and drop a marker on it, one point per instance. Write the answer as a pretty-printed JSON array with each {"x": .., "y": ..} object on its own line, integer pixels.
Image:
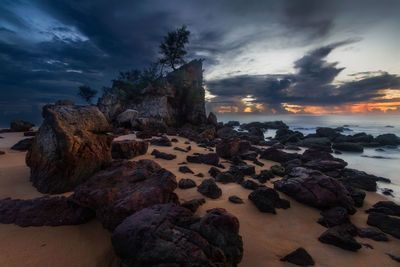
[
  {"x": 210, "y": 189},
  {"x": 185, "y": 169},
  {"x": 212, "y": 119},
  {"x": 277, "y": 155},
  {"x": 334, "y": 216},
  {"x": 387, "y": 224},
  {"x": 209, "y": 159},
  {"x": 372, "y": 234},
  {"x": 20, "y": 126},
  {"x": 170, "y": 235},
  {"x": 327, "y": 132},
  {"x": 388, "y": 140},
  {"x": 347, "y": 146},
  {"x": 162, "y": 141},
  {"x": 339, "y": 237},
  {"x": 251, "y": 185},
  {"x": 321, "y": 143},
  {"x": 246, "y": 169},
  {"x": 127, "y": 149},
  {"x": 125, "y": 188},
  {"x": 232, "y": 123},
  {"x": 299, "y": 257},
  {"x": 264, "y": 176},
  {"x": 163, "y": 155},
  {"x": 214, "y": 172},
  {"x": 236, "y": 200},
  {"x": 226, "y": 132},
  {"x": 357, "y": 195},
  {"x": 385, "y": 207},
  {"x": 71, "y": 145},
  {"x": 127, "y": 118},
  {"x": 359, "y": 179},
  {"x": 23, "y": 145},
  {"x": 43, "y": 211},
  {"x": 208, "y": 134},
  {"x": 267, "y": 199},
  {"x": 313, "y": 188},
  {"x": 278, "y": 170},
  {"x": 225, "y": 177},
  {"x": 186, "y": 183},
  {"x": 232, "y": 147}
]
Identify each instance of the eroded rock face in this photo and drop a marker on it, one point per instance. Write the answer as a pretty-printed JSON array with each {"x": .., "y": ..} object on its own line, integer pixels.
[
  {"x": 169, "y": 235},
  {"x": 43, "y": 211},
  {"x": 125, "y": 188},
  {"x": 127, "y": 149},
  {"x": 315, "y": 189},
  {"x": 70, "y": 146}
]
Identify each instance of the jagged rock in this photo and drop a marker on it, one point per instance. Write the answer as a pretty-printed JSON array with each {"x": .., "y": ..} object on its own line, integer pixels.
[
  {"x": 186, "y": 183},
  {"x": 267, "y": 199},
  {"x": 210, "y": 189},
  {"x": 334, "y": 216},
  {"x": 193, "y": 204},
  {"x": 388, "y": 224},
  {"x": 23, "y": 145},
  {"x": 212, "y": 119},
  {"x": 214, "y": 172},
  {"x": 236, "y": 200},
  {"x": 144, "y": 134},
  {"x": 163, "y": 155},
  {"x": 185, "y": 169},
  {"x": 250, "y": 155},
  {"x": 125, "y": 188},
  {"x": 339, "y": 237},
  {"x": 30, "y": 133},
  {"x": 327, "y": 132},
  {"x": 359, "y": 179},
  {"x": 385, "y": 207},
  {"x": 299, "y": 257},
  {"x": 246, "y": 169},
  {"x": 162, "y": 141},
  {"x": 277, "y": 155},
  {"x": 110, "y": 106},
  {"x": 225, "y": 177},
  {"x": 388, "y": 140},
  {"x": 229, "y": 148},
  {"x": 265, "y": 125},
  {"x": 249, "y": 184},
  {"x": 127, "y": 149},
  {"x": 20, "y": 126},
  {"x": 71, "y": 145},
  {"x": 357, "y": 195},
  {"x": 313, "y": 188},
  {"x": 127, "y": 118},
  {"x": 210, "y": 159},
  {"x": 347, "y": 146},
  {"x": 264, "y": 176},
  {"x": 372, "y": 234},
  {"x": 226, "y": 132},
  {"x": 43, "y": 211},
  {"x": 288, "y": 136},
  {"x": 322, "y": 143},
  {"x": 170, "y": 235},
  {"x": 278, "y": 170}
]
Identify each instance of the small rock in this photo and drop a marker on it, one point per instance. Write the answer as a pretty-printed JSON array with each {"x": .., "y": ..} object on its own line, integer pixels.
[
  {"x": 249, "y": 184},
  {"x": 162, "y": 141},
  {"x": 186, "y": 183},
  {"x": 236, "y": 200},
  {"x": 210, "y": 189},
  {"x": 372, "y": 234},
  {"x": 210, "y": 159},
  {"x": 199, "y": 175},
  {"x": 193, "y": 204},
  {"x": 23, "y": 145},
  {"x": 334, "y": 216},
  {"x": 180, "y": 149},
  {"x": 278, "y": 170},
  {"x": 20, "y": 126},
  {"x": 388, "y": 224},
  {"x": 299, "y": 257},
  {"x": 128, "y": 149},
  {"x": 225, "y": 177},
  {"x": 214, "y": 172},
  {"x": 339, "y": 237},
  {"x": 267, "y": 199},
  {"x": 185, "y": 169},
  {"x": 163, "y": 155}
]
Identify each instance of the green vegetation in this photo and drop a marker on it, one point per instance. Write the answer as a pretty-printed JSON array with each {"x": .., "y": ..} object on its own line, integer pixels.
[
  {"x": 86, "y": 93},
  {"x": 173, "y": 47}
]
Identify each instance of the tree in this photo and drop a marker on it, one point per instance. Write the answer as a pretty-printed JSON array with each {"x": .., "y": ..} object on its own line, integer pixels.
[
  {"x": 172, "y": 48},
  {"x": 86, "y": 93}
]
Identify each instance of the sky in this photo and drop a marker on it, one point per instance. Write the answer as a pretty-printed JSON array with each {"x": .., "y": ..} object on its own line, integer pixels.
[{"x": 260, "y": 57}]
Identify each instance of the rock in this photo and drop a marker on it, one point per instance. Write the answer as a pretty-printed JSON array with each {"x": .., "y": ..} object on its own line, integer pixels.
[
  {"x": 214, "y": 172},
  {"x": 110, "y": 106},
  {"x": 278, "y": 170},
  {"x": 388, "y": 224},
  {"x": 385, "y": 207},
  {"x": 357, "y": 195},
  {"x": 246, "y": 169},
  {"x": 180, "y": 149},
  {"x": 186, "y": 183},
  {"x": 249, "y": 184},
  {"x": 340, "y": 238},
  {"x": 359, "y": 179},
  {"x": 210, "y": 189},
  {"x": 71, "y": 145},
  {"x": 372, "y": 234},
  {"x": 225, "y": 177},
  {"x": 143, "y": 134},
  {"x": 229, "y": 148},
  {"x": 277, "y": 155},
  {"x": 334, "y": 216},
  {"x": 2, "y": 152},
  {"x": 127, "y": 149},
  {"x": 264, "y": 176},
  {"x": 185, "y": 169},
  {"x": 267, "y": 199},
  {"x": 236, "y": 200},
  {"x": 387, "y": 192},
  {"x": 23, "y": 145},
  {"x": 30, "y": 133},
  {"x": 210, "y": 159},
  {"x": 265, "y": 125},
  {"x": 288, "y": 136},
  {"x": 163, "y": 141},
  {"x": 20, "y": 126},
  {"x": 169, "y": 235},
  {"x": 64, "y": 102},
  {"x": 299, "y": 257},
  {"x": 315, "y": 189},
  {"x": 125, "y": 188},
  {"x": 393, "y": 257},
  {"x": 346, "y": 146},
  {"x": 212, "y": 119},
  {"x": 388, "y": 140},
  {"x": 232, "y": 123},
  {"x": 43, "y": 211},
  {"x": 127, "y": 118},
  {"x": 327, "y": 132},
  {"x": 322, "y": 143},
  {"x": 226, "y": 132},
  {"x": 255, "y": 131},
  {"x": 193, "y": 204},
  {"x": 163, "y": 155},
  {"x": 199, "y": 175},
  {"x": 208, "y": 134}
]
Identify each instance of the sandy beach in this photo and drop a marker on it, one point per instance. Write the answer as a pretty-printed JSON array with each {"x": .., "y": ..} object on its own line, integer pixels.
[{"x": 266, "y": 237}]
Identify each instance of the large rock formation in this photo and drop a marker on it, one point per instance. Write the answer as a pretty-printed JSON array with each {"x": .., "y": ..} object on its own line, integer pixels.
[
  {"x": 178, "y": 101},
  {"x": 70, "y": 146}
]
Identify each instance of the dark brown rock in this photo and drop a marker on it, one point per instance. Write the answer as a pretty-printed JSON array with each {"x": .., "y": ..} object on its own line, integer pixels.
[
  {"x": 339, "y": 237},
  {"x": 124, "y": 189},
  {"x": 267, "y": 200},
  {"x": 30, "y": 133},
  {"x": 210, "y": 189},
  {"x": 185, "y": 169},
  {"x": 210, "y": 159},
  {"x": 20, "y": 126},
  {"x": 277, "y": 155},
  {"x": 144, "y": 134},
  {"x": 71, "y": 145},
  {"x": 193, "y": 204},
  {"x": 236, "y": 200},
  {"x": 388, "y": 224},
  {"x": 23, "y": 145},
  {"x": 385, "y": 207},
  {"x": 186, "y": 183},
  {"x": 229, "y": 148},
  {"x": 127, "y": 149},
  {"x": 163, "y": 155},
  {"x": 299, "y": 257},
  {"x": 162, "y": 141},
  {"x": 334, "y": 216},
  {"x": 372, "y": 234}
]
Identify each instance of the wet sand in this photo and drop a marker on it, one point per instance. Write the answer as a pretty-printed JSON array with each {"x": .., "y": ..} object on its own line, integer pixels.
[{"x": 267, "y": 237}]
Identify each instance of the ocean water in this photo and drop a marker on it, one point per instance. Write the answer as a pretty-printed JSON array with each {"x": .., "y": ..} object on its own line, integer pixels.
[{"x": 386, "y": 165}]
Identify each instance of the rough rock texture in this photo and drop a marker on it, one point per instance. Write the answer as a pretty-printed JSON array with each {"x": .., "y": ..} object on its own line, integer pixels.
[
  {"x": 71, "y": 145},
  {"x": 163, "y": 155},
  {"x": 334, "y": 216},
  {"x": 127, "y": 149},
  {"x": 339, "y": 237},
  {"x": 193, "y": 204},
  {"x": 385, "y": 207},
  {"x": 186, "y": 183},
  {"x": 388, "y": 224},
  {"x": 23, "y": 145},
  {"x": 127, "y": 118},
  {"x": 169, "y": 235},
  {"x": 162, "y": 141},
  {"x": 43, "y": 211},
  {"x": 372, "y": 234},
  {"x": 210, "y": 159},
  {"x": 299, "y": 257},
  {"x": 109, "y": 105},
  {"x": 267, "y": 199},
  {"x": 315, "y": 189},
  {"x": 20, "y": 126},
  {"x": 229, "y": 148},
  {"x": 359, "y": 179},
  {"x": 210, "y": 189},
  {"x": 125, "y": 188},
  {"x": 277, "y": 155}
]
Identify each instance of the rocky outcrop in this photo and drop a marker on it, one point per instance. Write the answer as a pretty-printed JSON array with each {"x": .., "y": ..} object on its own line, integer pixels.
[
  {"x": 388, "y": 139},
  {"x": 71, "y": 145},
  {"x": 127, "y": 118},
  {"x": 127, "y": 149},
  {"x": 169, "y": 235},
  {"x": 20, "y": 126},
  {"x": 43, "y": 211},
  {"x": 125, "y": 188}
]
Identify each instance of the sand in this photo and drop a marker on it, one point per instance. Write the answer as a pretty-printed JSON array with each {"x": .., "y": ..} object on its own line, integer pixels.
[{"x": 266, "y": 237}]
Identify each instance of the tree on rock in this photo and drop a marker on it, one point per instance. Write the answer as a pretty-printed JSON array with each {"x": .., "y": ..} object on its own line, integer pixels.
[
  {"x": 173, "y": 47},
  {"x": 86, "y": 93}
]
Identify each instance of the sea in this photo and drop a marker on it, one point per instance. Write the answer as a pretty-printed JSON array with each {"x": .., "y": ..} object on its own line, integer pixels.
[{"x": 384, "y": 163}]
